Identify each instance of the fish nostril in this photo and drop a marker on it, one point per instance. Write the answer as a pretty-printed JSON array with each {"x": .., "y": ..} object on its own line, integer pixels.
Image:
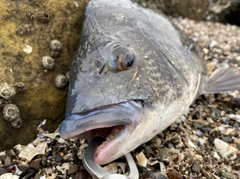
[{"x": 102, "y": 69}]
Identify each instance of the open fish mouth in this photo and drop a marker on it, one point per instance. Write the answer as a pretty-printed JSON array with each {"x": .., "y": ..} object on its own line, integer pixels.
[{"x": 114, "y": 122}]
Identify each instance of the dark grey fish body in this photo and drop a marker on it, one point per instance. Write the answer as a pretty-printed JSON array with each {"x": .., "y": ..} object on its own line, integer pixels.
[{"x": 132, "y": 69}]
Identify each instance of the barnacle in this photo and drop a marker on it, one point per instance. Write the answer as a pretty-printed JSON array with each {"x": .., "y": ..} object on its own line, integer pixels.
[
  {"x": 43, "y": 17},
  {"x": 61, "y": 81},
  {"x": 17, "y": 123},
  {"x": 48, "y": 62},
  {"x": 56, "y": 48},
  {"x": 10, "y": 112},
  {"x": 6, "y": 91}
]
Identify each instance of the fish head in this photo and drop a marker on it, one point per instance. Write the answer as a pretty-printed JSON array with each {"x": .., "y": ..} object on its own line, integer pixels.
[{"x": 120, "y": 83}]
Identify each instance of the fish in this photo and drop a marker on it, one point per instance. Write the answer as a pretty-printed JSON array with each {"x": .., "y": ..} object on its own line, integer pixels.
[{"x": 134, "y": 74}]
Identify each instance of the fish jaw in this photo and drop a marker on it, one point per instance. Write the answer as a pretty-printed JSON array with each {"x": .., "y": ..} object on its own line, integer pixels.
[{"x": 123, "y": 118}]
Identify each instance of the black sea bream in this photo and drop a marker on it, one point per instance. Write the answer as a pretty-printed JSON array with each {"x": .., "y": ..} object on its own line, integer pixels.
[{"x": 133, "y": 75}]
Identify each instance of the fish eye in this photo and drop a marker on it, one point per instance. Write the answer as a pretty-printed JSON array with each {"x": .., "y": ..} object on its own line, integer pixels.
[{"x": 121, "y": 58}]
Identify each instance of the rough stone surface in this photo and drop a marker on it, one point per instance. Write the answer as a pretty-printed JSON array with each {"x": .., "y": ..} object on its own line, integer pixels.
[
  {"x": 226, "y": 11},
  {"x": 24, "y": 40}
]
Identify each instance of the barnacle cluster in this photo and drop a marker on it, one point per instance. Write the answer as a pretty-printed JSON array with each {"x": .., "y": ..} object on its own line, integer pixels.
[
  {"x": 48, "y": 63},
  {"x": 56, "y": 48},
  {"x": 10, "y": 111}
]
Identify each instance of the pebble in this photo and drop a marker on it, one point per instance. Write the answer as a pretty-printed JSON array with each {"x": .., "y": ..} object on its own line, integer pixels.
[
  {"x": 227, "y": 139},
  {"x": 46, "y": 163},
  {"x": 59, "y": 159},
  {"x": 226, "y": 175},
  {"x": 31, "y": 173},
  {"x": 224, "y": 148},
  {"x": 73, "y": 168},
  {"x": 238, "y": 58},
  {"x": 35, "y": 164},
  {"x": 153, "y": 175},
  {"x": 141, "y": 159},
  {"x": 213, "y": 44},
  {"x": 196, "y": 168}
]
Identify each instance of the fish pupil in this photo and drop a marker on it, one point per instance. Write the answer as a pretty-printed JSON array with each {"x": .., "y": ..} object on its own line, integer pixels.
[
  {"x": 128, "y": 60},
  {"x": 121, "y": 58}
]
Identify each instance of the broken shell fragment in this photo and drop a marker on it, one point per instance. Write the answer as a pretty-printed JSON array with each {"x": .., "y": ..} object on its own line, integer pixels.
[
  {"x": 10, "y": 112},
  {"x": 48, "y": 62},
  {"x": 225, "y": 149},
  {"x": 6, "y": 91},
  {"x": 8, "y": 176},
  {"x": 30, "y": 151},
  {"x": 61, "y": 81}
]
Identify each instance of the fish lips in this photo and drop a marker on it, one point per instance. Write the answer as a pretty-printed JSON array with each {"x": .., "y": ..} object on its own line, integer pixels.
[{"x": 123, "y": 118}]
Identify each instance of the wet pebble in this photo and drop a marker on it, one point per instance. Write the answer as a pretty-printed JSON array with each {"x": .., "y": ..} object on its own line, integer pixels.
[
  {"x": 31, "y": 173},
  {"x": 174, "y": 174},
  {"x": 46, "y": 163},
  {"x": 226, "y": 175},
  {"x": 196, "y": 168},
  {"x": 35, "y": 164},
  {"x": 59, "y": 158},
  {"x": 154, "y": 175},
  {"x": 73, "y": 168},
  {"x": 227, "y": 139}
]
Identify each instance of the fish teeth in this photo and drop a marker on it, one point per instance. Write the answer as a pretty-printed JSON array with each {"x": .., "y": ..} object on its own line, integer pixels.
[{"x": 115, "y": 131}]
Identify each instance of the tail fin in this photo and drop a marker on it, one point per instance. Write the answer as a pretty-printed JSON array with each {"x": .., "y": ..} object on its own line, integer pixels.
[{"x": 222, "y": 80}]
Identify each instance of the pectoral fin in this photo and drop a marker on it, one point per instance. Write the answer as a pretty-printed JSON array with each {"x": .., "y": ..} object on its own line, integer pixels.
[{"x": 222, "y": 80}]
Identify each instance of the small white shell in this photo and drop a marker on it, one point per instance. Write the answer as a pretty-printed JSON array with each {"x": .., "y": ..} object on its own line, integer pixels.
[
  {"x": 29, "y": 151},
  {"x": 27, "y": 49},
  {"x": 9, "y": 176}
]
